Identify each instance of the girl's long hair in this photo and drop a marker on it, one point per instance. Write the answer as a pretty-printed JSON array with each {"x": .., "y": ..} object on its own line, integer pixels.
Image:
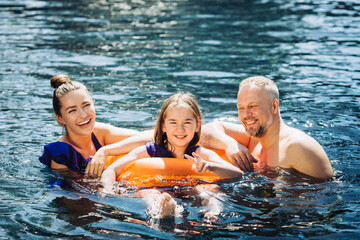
[{"x": 180, "y": 99}]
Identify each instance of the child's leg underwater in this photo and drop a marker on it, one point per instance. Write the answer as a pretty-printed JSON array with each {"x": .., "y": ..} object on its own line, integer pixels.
[
  {"x": 162, "y": 205},
  {"x": 159, "y": 205},
  {"x": 210, "y": 195}
]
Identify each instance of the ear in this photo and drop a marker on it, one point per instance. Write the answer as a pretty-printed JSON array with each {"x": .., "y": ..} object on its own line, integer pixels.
[
  {"x": 275, "y": 106},
  {"x": 198, "y": 125},
  {"x": 60, "y": 119}
]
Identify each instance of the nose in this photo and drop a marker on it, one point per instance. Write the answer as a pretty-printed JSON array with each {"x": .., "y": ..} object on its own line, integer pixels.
[
  {"x": 83, "y": 112},
  {"x": 247, "y": 111},
  {"x": 181, "y": 127}
]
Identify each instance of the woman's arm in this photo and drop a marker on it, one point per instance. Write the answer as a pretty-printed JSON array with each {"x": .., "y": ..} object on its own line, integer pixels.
[
  {"x": 55, "y": 165},
  {"x": 109, "y": 175},
  {"x": 97, "y": 163}
]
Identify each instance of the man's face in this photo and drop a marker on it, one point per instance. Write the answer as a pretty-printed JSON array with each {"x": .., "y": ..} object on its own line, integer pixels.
[{"x": 254, "y": 109}]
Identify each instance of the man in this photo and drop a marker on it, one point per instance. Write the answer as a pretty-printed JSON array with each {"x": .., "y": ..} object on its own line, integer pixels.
[{"x": 264, "y": 134}]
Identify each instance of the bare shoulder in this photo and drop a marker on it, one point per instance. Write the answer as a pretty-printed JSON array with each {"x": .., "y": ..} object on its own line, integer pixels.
[
  {"x": 99, "y": 126},
  {"x": 101, "y": 130},
  {"x": 305, "y": 153},
  {"x": 294, "y": 138},
  {"x": 108, "y": 134}
]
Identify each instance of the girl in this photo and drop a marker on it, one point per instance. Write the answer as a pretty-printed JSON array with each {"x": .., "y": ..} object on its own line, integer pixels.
[
  {"x": 177, "y": 132},
  {"x": 74, "y": 110}
]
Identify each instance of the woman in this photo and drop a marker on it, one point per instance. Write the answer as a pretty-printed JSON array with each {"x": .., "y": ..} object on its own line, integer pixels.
[{"x": 74, "y": 110}]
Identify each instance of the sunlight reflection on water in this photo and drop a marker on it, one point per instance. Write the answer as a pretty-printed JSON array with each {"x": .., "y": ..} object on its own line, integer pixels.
[{"x": 134, "y": 54}]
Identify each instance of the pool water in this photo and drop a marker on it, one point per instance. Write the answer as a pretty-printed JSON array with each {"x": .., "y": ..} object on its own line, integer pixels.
[{"x": 132, "y": 55}]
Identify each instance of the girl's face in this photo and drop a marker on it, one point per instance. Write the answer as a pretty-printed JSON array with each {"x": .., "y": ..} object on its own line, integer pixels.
[
  {"x": 180, "y": 126},
  {"x": 77, "y": 112}
]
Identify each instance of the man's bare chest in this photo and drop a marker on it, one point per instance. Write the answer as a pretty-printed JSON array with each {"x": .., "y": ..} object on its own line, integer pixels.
[{"x": 271, "y": 157}]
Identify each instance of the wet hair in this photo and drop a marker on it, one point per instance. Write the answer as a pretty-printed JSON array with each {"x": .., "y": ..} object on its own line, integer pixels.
[
  {"x": 180, "y": 99},
  {"x": 270, "y": 87},
  {"x": 63, "y": 85}
]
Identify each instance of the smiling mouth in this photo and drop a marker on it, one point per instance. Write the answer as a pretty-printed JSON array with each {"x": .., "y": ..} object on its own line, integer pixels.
[
  {"x": 180, "y": 137},
  {"x": 250, "y": 122},
  {"x": 84, "y": 123}
]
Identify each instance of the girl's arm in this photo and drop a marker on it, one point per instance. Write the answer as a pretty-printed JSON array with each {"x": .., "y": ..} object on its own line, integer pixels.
[
  {"x": 109, "y": 175},
  {"x": 221, "y": 170},
  {"x": 211, "y": 156},
  {"x": 206, "y": 160}
]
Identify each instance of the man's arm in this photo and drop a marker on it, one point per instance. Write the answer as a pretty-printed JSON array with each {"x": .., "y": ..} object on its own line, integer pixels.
[
  {"x": 307, "y": 156},
  {"x": 233, "y": 139}
]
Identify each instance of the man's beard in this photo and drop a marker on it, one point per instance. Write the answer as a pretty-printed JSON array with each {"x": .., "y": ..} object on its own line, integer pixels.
[{"x": 259, "y": 132}]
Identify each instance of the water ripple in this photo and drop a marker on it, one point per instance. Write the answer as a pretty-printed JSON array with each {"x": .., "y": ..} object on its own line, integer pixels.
[{"x": 134, "y": 54}]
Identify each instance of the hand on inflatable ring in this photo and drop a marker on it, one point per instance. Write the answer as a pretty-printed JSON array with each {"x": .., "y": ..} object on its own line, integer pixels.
[
  {"x": 96, "y": 165},
  {"x": 199, "y": 164},
  {"x": 241, "y": 157}
]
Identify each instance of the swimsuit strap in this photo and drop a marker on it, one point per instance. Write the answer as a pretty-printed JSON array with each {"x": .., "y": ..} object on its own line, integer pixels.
[{"x": 95, "y": 141}]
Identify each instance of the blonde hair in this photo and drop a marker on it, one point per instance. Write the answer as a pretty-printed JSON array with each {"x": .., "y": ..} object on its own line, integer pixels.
[
  {"x": 270, "y": 87},
  {"x": 180, "y": 99}
]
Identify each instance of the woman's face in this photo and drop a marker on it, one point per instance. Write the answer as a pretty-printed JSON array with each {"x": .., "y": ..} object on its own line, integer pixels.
[{"x": 77, "y": 112}]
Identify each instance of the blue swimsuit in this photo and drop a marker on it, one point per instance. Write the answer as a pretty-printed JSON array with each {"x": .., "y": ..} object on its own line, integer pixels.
[
  {"x": 63, "y": 153},
  {"x": 154, "y": 150}
]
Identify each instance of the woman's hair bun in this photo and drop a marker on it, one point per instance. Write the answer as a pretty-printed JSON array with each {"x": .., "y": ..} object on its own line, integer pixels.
[{"x": 58, "y": 80}]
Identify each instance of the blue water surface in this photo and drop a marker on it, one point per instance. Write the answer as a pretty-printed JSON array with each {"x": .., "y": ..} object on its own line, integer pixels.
[{"x": 133, "y": 54}]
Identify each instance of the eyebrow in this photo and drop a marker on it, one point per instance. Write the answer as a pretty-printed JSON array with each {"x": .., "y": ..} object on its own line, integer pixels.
[
  {"x": 188, "y": 119},
  {"x": 70, "y": 107},
  {"x": 85, "y": 102},
  {"x": 253, "y": 102}
]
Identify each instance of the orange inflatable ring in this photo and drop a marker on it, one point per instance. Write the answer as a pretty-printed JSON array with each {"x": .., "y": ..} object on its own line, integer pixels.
[{"x": 163, "y": 172}]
